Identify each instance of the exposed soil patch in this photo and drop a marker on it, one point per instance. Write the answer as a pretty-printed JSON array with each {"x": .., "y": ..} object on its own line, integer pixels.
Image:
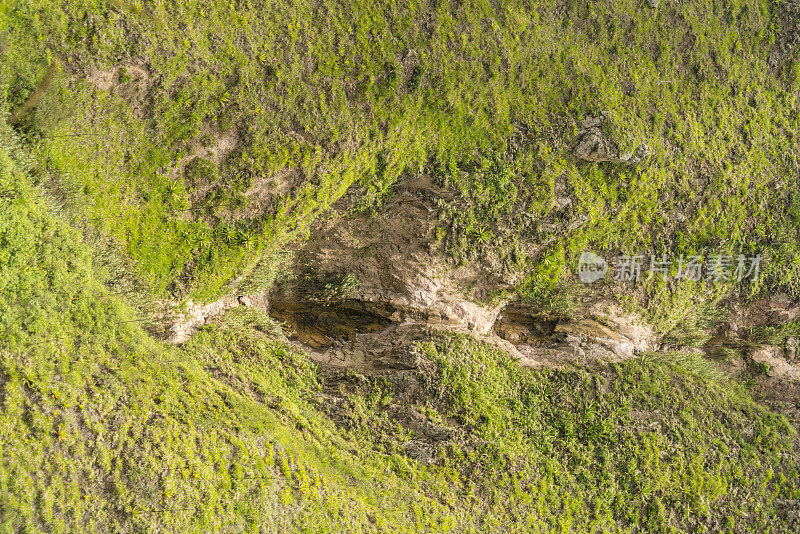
[
  {"x": 266, "y": 190},
  {"x": 130, "y": 81},
  {"x": 787, "y": 20}
]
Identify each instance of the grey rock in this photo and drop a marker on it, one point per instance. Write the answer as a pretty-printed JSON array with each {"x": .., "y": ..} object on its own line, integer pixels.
[
  {"x": 593, "y": 145},
  {"x": 792, "y": 346},
  {"x": 773, "y": 357}
]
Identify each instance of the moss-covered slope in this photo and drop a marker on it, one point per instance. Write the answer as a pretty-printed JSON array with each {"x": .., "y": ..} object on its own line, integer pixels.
[
  {"x": 169, "y": 149},
  {"x": 103, "y": 429}
]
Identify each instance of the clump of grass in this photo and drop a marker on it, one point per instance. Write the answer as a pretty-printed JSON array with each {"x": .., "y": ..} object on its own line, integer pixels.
[
  {"x": 268, "y": 270},
  {"x": 775, "y": 334},
  {"x": 244, "y": 318},
  {"x": 332, "y": 288}
]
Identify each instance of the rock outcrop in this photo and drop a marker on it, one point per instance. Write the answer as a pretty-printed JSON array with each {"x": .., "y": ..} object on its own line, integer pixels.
[
  {"x": 593, "y": 145},
  {"x": 181, "y": 326}
]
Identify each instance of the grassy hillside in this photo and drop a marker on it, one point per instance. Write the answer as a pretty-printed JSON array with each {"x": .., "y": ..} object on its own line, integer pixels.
[
  {"x": 169, "y": 149},
  {"x": 104, "y": 429},
  {"x": 315, "y": 98}
]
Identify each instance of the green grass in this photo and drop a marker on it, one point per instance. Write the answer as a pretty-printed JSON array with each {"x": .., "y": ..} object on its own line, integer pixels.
[
  {"x": 486, "y": 97},
  {"x": 103, "y": 429},
  {"x": 658, "y": 443}
]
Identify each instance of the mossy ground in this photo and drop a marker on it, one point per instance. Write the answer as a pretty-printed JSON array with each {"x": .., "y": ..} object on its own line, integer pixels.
[
  {"x": 104, "y": 429},
  {"x": 484, "y": 96}
]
